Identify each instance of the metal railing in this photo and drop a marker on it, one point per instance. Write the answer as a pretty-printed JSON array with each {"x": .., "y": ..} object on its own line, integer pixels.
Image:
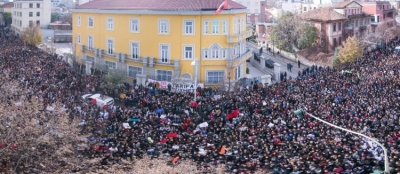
[{"x": 233, "y": 38}]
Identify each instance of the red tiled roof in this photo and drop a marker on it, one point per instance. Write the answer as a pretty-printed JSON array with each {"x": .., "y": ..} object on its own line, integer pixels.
[
  {"x": 322, "y": 14},
  {"x": 192, "y": 5},
  {"x": 7, "y": 5}
]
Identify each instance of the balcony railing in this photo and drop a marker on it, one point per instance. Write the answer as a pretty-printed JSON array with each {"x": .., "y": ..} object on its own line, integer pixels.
[
  {"x": 234, "y": 38},
  {"x": 349, "y": 27},
  {"x": 389, "y": 10},
  {"x": 163, "y": 62},
  {"x": 105, "y": 53},
  {"x": 86, "y": 48},
  {"x": 134, "y": 58},
  {"x": 237, "y": 60}
]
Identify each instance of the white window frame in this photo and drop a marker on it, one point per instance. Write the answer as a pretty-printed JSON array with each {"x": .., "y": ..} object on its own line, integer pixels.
[
  {"x": 224, "y": 26},
  {"x": 163, "y": 26},
  {"x": 164, "y": 79},
  {"x": 110, "y": 64},
  {"x": 78, "y": 21},
  {"x": 131, "y": 25},
  {"x": 110, "y": 23},
  {"x": 78, "y": 39},
  {"x": 90, "y": 46},
  {"x": 215, "y": 27},
  {"x": 215, "y": 52},
  {"x": 187, "y": 53},
  {"x": 137, "y": 69},
  {"x": 188, "y": 29},
  {"x": 206, "y": 27},
  {"x": 110, "y": 47},
  {"x": 164, "y": 56},
  {"x": 135, "y": 53},
  {"x": 224, "y": 53},
  {"x": 91, "y": 57},
  {"x": 234, "y": 25},
  {"x": 88, "y": 21},
  {"x": 219, "y": 71}
]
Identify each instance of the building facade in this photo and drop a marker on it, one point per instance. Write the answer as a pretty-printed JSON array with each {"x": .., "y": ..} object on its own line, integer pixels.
[
  {"x": 26, "y": 13},
  {"x": 156, "y": 40},
  {"x": 6, "y": 8},
  {"x": 255, "y": 10},
  {"x": 382, "y": 11},
  {"x": 338, "y": 22}
]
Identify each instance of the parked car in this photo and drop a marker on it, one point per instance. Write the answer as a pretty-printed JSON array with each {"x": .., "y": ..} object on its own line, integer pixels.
[
  {"x": 101, "y": 100},
  {"x": 269, "y": 63},
  {"x": 397, "y": 49}
]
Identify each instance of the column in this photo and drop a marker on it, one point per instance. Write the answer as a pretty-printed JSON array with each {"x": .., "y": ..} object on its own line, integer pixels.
[
  {"x": 145, "y": 68},
  {"x": 88, "y": 68},
  {"x": 141, "y": 79},
  {"x": 122, "y": 62},
  {"x": 262, "y": 62},
  {"x": 152, "y": 71},
  {"x": 176, "y": 68},
  {"x": 277, "y": 72}
]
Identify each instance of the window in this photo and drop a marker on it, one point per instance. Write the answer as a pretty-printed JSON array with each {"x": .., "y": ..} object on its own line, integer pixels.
[
  {"x": 30, "y": 14},
  {"x": 340, "y": 40},
  {"x": 30, "y": 23},
  {"x": 305, "y": 8},
  {"x": 110, "y": 46},
  {"x": 110, "y": 23},
  {"x": 30, "y": 5},
  {"x": 356, "y": 21},
  {"x": 215, "y": 52},
  {"x": 38, "y": 23},
  {"x": 164, "y": 53},
  {"x": 133, "y": 70},
  {"x": 37, "y": 13},
  {"x": 90, "y": 22},
  {"x": 78, "y": 38},
  {"x": 205, "y": 27},
  {"x": 78, "y": 21},
  {"x": 37, "y": 5},
  {"x": 334, "y": 42},
  {"x": 188, "y": 52},
  {"x": 224, "y": 27},
  {"x": 163, "y": 75},
  {"x": 339, "y": 26},
  {"x": 215, "y": 77},
  {"x": 163, "y": 26},
  {"x": 135, "y": 50},
  {"x": 90, "y": 59},
  {"x": 134, "y": 27},
  {"x": 90, "y": 42},
  {"x": 334, "y": 27},
  {"x": 224, "y": 53},
  {"x": 215, "y": 27},
  {"x": 189, "y": 26},
  {"x": 110, "y": 65}
]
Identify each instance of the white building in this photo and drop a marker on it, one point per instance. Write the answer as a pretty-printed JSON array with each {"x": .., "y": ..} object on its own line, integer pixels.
[
  {"x": 26, "y": 13},
  {"x": 55, "y": 3},
  {"x": 301, "y": 6},
  {"x": 80, "y": 2},
  {"x": 254, "y": 9}
]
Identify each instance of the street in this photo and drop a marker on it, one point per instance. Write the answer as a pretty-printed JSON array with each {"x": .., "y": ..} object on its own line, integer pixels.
[{"x": 280, "y": 60}]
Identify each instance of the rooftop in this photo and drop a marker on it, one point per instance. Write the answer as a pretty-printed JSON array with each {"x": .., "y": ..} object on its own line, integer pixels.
[
  {"x": 189, "y": 5},
  {"x": 322, "y": 14},
  {"x": 344, "y": 4},
  {"x": 7, "y": 5}
]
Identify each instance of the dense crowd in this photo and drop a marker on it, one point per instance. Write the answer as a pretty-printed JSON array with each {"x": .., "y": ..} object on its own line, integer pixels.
[{"x": 248, "y": 130}]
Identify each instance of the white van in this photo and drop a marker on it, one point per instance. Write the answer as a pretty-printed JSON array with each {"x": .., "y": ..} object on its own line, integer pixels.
[
  {"x": 397, "y": 49},
  {"x": 101, "y": 100}
]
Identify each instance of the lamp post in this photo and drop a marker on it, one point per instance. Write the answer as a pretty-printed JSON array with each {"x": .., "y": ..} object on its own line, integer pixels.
[
  {"x": 194, "y": 63},
  {"x": 300, "y": 112}
]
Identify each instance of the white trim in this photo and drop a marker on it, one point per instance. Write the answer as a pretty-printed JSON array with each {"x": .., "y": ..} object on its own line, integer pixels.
[
  {"x": 114, "y": 63},
  {"x": 88, "y": 18},
  {"x": 193, "y": 26},
  {"x": 184, "y": 51},
  {"x": 138, "y": 25},
  {"x": 131, "y": 50},
  {"x": 158, "y": 12},
  {"x": 160, "y": 53},
  {"x": 107, "y": 46},
  {"x": 112, "y": 25},
  {"x": 156, "y": 78},
  {"x": 206, "y": 27},
  {"x": 168, "y": 26},
  {"x": 220, "y": 22},
  {"x": 78, "y": 20},
  {"x": 90, "y": 48},
  {"x": 127, "y": 70},
  {"x": 206, "y": 75}
]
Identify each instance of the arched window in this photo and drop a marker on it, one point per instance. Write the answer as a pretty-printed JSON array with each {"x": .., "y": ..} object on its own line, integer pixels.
[
  {"x": 186, "y": 76},
  {"x": 215, "y": 52}
]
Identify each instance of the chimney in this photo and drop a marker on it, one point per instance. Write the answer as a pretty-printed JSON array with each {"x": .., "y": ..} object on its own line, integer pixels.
[{"x": 262, "y": 11}]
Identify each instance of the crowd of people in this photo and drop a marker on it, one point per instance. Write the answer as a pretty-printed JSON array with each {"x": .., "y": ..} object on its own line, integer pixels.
[{"x": 254, "y": 129}]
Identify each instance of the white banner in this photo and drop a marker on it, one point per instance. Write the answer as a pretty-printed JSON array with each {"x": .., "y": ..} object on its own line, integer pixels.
[{"x": 178, "y": 87}]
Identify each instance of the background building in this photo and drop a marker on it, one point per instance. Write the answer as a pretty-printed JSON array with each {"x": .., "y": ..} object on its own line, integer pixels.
[
  {"x": 160, "y": 39},
  {"x": 27, "y": 13},
  {"x": 6, "y": 8},
  {"x": 382, "y": 11}
]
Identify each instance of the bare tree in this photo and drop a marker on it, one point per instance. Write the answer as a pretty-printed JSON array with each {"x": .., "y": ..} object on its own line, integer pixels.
[{"x": 66, "y": 18}]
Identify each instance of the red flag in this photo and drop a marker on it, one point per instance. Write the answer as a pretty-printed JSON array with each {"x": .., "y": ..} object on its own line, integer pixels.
[
  {"x": 222, "y": 7},
  {"x": 234, "y": 114}
]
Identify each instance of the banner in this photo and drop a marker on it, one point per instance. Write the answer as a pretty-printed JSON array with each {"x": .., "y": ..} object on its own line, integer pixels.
[{"x": 177, "y": 87}]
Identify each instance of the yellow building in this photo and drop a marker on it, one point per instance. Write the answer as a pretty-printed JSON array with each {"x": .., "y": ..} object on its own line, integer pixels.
[
  {"x": 6, "y": 7},
  {"x": 159, "y": 39}
]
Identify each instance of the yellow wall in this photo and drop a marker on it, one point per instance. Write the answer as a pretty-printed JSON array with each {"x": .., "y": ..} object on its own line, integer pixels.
[{"x": 149, "y": 38}]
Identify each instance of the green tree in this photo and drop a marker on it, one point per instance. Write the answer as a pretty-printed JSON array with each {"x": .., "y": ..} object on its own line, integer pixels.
[
  {"x": 291, "y": 31},
  {"x": 7, "y": 18},
  {"x": 350, "y": 51},
  {"x": 32, "y": 35},
  {"x": 54, "y": 17},
  {"x": 113, "y": 78}
]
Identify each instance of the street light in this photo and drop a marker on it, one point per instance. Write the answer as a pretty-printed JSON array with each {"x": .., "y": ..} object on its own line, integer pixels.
[
  {"x": 194, "y": 63},
  {"x": 300, "y": 114}
]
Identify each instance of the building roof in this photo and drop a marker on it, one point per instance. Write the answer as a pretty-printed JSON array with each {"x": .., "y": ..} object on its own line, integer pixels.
[
  {"x": 344, "y": 4},
  {"x": 7, "y": 5},
  {"x": 322, "y": 14},
  {"x": 189, "y": 5}
]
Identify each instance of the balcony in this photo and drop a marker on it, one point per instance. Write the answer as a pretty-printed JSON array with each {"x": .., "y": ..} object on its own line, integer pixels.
[
  {"x": 235, "y": 38},
  {"x": 105, "y": 53},
  {"x": 239, "y": 59},
  {"x": 161, "y": 62},
  {"x": 349, "y": 27},
  {"x": 86, "y": 48},
  {"x": 135, "y": 58},
  {"x": 389, "y": 10}
]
